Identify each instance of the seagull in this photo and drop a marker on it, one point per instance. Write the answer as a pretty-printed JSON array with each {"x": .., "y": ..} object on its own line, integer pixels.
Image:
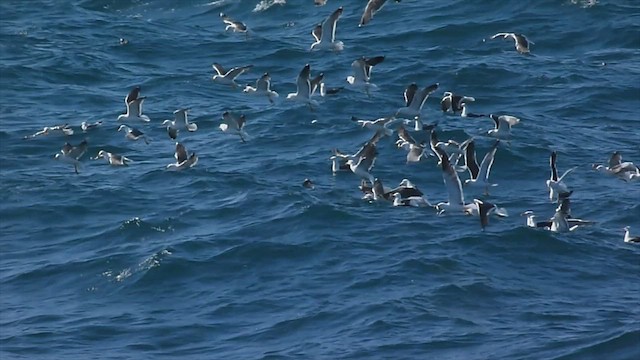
[
  {"x": 339, "y": 159},
  {"x": 559, "y": 221},
  {"x": 522, "y": 43},
  {"x": 85, "y": 126},
  {"x": 626, "y": 171},
  {"x": 453, "y": 148},
  {"x": 262, "y": 88},
  {"x": 414, "y": 201},
  {"x": 113, "y": 159},
  {"x": 305, "y": 88},
  {"x": 628, "y": 238},
  {"x": 362, "y": 72},
  {"x": 455, "y": 203},
  {"x": 465, "y": 113},
  {"x": 325, "y": 33},
  {"x": 406, "y": 189},
  {"x": 555, "y": 184},
  {"x": 233, "y": 125},
  {"x": 133, "y": 133},
  {"x": 485, "y": 208},
  {"x": 503, "y": 124},
  {"x": 373, "y": 6},
  {"x": 414, "y": 99},
  {"x": 407, "y": 142},
  {"x": 180, "y": 119},
  {"x": 72, "y": 154},
  {"x": 64, "y": 128},
  {"x": 228, "y": 77},
  {"x": 236, "y": 26},
  {"x": 132, "y": 95},
  {"x": 382, "y": 124},
  {"x": 183, "y": 160},
  {"x": 479, "y": 174},
  {"x": 134, "y": 110},
  {"x": 307, "y": 183},
  {"x": 454, "y": 103}
]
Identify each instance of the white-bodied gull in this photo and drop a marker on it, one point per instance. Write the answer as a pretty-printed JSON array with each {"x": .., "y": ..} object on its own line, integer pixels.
[
  {"x": 414, "y": 99},
  {"x": 454, "y": 103},
  {"x": 555, "y": 184},
  {"x": 113, "y": 159},
  {"x": 233, "y": 125},
  {"x": 521, "y": 41},
  {"x": 183, "y": 160},
  {"x": 231, "y": 24},
  {"x": 502, "y": 126},
  {"x": 373, "y": 6},
  {"x": 64, "y": 129},
  {"x": 132, "y": 133},
  {"x": 85, "y": 126},
  {"x": 304, "y": 88},
  {"x": 479, "y": 174},
  {"x": 134, "y": 111},
  {"x": 72, "y": 154},
  {"x": 325, "y": 33},
  {"x": 228, "y": 77},
  {"x": 262, "y": 88},
  {"x": 362, "y": 72}
]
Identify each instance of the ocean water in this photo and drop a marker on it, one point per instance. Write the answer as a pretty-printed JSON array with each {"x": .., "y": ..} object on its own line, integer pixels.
[{"x": 234, "y": 259}]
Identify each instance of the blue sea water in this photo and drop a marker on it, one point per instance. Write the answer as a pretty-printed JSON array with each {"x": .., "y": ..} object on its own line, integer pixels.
[{"x": 234, "y": 259}]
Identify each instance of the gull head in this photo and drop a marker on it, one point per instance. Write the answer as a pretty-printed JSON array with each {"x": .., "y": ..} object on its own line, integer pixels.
[{"x": 122, "y": 127}]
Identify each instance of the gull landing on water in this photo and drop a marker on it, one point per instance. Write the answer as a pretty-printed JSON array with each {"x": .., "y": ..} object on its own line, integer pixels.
[
  {"x": 522, "y": 43},
  {"x": 325, "y": 33},
  {"x": 503, "y": 124},
  {"x": 373, "y": 6},
  {"x": 233, "y": 125},
  {"x": 555, "y": 184},
  {"x": 262, "y": 88},
  {"x": 362, "y": 72},
  {"x": 414, "y": 99},
  {"x": 305, "y": 87},
  {"x": 228, "y": 77},
  {"x": 72, "y": 154},
  {"x": 113, "y": 159},
  {"x": 183, "y": 160}
]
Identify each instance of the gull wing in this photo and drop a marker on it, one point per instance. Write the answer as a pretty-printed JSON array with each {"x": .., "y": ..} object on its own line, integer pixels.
[
  {"x": 317, "y": 32},
  {"x": 404, "y": 135},
  {"x": 236, "y": 71},
  {"x": 372, "y": 7},
  {"x": 316, "y": 83},
  {"x": 241, "y": 121},
  {"x": 504, "y": 35},
  {"x": 219, "y": 69},
  {"x": 303, "y": 82},
  {"x": 370, "y": 63},
  {"x": 409, "y": 93},
  {"x": 359, "y": 68},
  {"x": 445, "y": 103},
  {"x": 487, "y": 162},
  {"x": 264, "y": 82},
  {"x": 329, "y": 25},
  {"x": 552, "y": 164},
  {"x": 421, "y": 96},
  {"x": 452, "y": 182},
  {"x": 132, "y": 95},
  {"x": 470, "y": 159},
  {"x": 616, "y": 159},
  {"x": 181, "y": 153}
]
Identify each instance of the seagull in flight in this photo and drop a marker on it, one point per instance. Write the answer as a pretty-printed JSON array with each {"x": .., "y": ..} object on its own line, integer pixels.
[
  {"x": 373, "y": 6},
  {"x": 183, "y": 160},
  {"x": 236, "y": 26},
  {"x": 454, "y": 103},
  {"x": 414, "y": 99},
  {"x": 305, "y": 88},
  {"x": 234, "y": 125},
  {"x": 362, "y": 72},
  {"x": 626, "y": 171},
  {"x": 72, "y": 154},
  {"x": 503, "y": 124},
  {"x": 64, "y": 128},
  {"x": 325, "y": 33},
  {"x": 113, "y": 159},
  {"x": 228, "y": 77},
  {"x": 555, "y": 184},
  {"x": 479, "y": 174},
  {"x": 521, "y": 41},
  {"x": 262, "y": 88}
]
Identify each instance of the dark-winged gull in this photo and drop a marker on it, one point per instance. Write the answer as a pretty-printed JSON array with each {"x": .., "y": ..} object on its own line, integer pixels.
[
  {"x": 325, "y": 33},
  {"x": 502, "y": 126},
  {"x": 454, "y": 103},
  {"x": 414, "y": 99},
  {"x": 231, "y": 24},
  {"x": 113, "y": 159},
  {"x": 232, "y": 124},
  {"x": 183, "y": 160},
  {"x": 479, "y": 174},
  {"x": 555, "y": 184},
  {"x": 132, "y": 133},
  {"x": 628, "y": 238},
  {"x": 262, "y": 88},
  {"x": 521, "y": 41},
  {"x": 228, "y": 77},
  {"x": 72, "y": 154},
  {"x": 373, "y": 6},
  {"x": 64, "y": 129},
  {"x": 626, "y": 171},
  {"x": 85, "y": 126},
  {"x": 304, "y": 88},
  {"x": 362, "y": 72},
  {"x": 134, "y": 111}
]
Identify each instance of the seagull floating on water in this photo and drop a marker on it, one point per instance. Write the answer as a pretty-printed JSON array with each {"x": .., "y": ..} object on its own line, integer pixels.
[
  {"x": 223, "y": 76},
  {"x": 233, "y": 125},
  {"x": 133, "y": 133},
  {"x": 465, "y": 113},
  {"x": 113, "y": 159},
  {"x": 626, "y": 171},
  {"x": 72, "y": 154},
  {"x": 555, "y": 184},
  {"x": 454, "y": 103},
  {"x": 521, "y": 41},
  {"x": 85, "y": 126},
  {"x": 64, "y": 128},
  {"x": 325, "y": 33},
  {"x": 628, "y": 238},
  {"x": 373, "y": 6},
  {"x": 262, "y": 88},
  {"x": 362, "y": 72}
]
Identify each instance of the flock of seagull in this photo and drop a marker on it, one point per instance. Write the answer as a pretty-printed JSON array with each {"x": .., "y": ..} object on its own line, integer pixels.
[{"x": 420, "y": 140}]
